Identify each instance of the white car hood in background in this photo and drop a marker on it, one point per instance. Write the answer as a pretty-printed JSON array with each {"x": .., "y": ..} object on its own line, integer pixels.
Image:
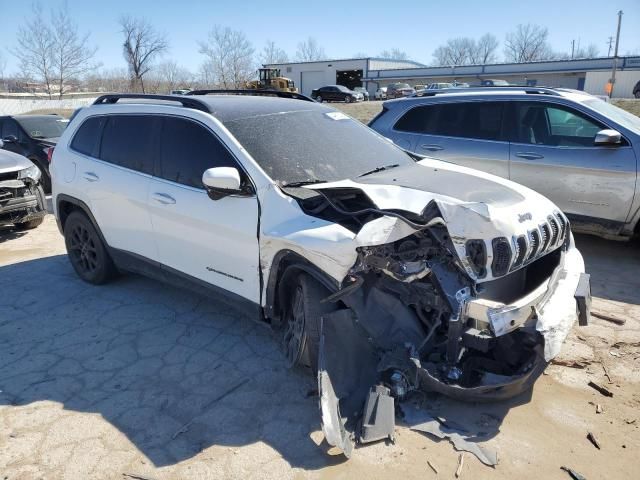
[
  {"x": 474, "y": 205},
  {"x": 12, "y": 162}
]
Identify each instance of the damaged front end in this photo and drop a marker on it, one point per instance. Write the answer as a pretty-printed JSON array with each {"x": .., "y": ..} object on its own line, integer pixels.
[{"x": 416, "y": 315}]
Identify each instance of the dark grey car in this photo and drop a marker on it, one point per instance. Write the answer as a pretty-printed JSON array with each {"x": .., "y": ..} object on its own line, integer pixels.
[{"x": 578, "y": 150}]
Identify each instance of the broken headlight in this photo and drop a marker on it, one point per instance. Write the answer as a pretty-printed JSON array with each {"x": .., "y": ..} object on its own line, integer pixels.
[
  {"x": 31, "y": 172},
  {"x": 477, "y": 255}
]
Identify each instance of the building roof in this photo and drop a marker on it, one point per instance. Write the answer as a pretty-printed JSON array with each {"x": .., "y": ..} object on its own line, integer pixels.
[{"x": 417, "y": 64}]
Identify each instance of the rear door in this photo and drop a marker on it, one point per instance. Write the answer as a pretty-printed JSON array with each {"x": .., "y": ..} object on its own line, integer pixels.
[
  {"x": 114, "y": 163},
  {"x": 215, "y": 241},
  {"x": 465, "y": 133},
  {"x": 553, "y": 153}
]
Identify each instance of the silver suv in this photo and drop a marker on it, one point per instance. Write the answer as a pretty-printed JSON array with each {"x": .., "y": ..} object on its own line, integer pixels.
[{"x": 572, "y": 147}]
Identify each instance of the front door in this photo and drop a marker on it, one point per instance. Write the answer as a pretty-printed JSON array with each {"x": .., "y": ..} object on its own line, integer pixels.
[
  {"x": 553, "y": 152},
  {"x": 215, "y": 241}
]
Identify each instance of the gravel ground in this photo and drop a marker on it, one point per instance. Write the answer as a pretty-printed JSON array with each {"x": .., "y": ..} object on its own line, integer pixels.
[{"x": 136, "y": 379}]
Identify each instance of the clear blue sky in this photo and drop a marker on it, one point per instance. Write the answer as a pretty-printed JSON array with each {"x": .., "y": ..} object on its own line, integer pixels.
[{"x": 342, "y": 28}]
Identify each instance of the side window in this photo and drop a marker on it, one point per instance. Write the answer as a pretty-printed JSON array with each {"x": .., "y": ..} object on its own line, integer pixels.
[
  {"x": 476, "y": 120},
  {"x": 417, "y": 120},
  {"x": 187, "y": 149},
  {"x": 554, "y": 125},
  {"x": 10, "y": 127},
  {"x": 86, "y": 139},
  {"x": 129, "y": 141}
]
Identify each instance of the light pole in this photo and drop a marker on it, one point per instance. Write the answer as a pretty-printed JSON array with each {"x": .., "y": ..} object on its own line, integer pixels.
[{"x": 615, "y": 56}]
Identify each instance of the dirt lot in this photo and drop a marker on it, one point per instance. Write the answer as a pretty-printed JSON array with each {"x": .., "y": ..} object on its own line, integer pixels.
[
  {"x": 140, "y": 380},
  {"x": 365, "y": 111}
]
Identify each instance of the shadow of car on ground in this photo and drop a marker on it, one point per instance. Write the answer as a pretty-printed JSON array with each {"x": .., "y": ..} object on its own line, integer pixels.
[{"x": 177, "y": 372}]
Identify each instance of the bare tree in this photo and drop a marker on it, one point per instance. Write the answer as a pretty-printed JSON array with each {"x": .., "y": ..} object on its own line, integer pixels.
[
  {"x": 108, "y": 80},
  {"x": 592, "y": 51},
  {"x": 457, "y": 51},
  {"x": 360, "y": 55},
  {"x": 229, "y": 57},
  {"x": 3, "y": 66},
  {"x": 310, "y": 51},
  {"x": 528, "y": 43},
  {"x": 142, "y": 45},
  {"x": 34, "y": 50},
  {"x": 484, "y": 50},
  {"x": 271, "y": 53},
  {"x": 71, "y": 51},
  {"x": 168, "y": 76},
  {"x": 52, "y": 50},
  {"x": 394, "y": 54}
]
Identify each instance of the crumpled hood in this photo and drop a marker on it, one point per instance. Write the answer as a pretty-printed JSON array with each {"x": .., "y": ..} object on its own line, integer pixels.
[{"x": 474, "y": 204}]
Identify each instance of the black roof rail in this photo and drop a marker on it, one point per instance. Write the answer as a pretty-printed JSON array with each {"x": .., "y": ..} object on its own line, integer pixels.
[
  {"x": 112, "y": 98},
  {"x": 526, "y": 88},
  {"x": 253, "y": 92}
]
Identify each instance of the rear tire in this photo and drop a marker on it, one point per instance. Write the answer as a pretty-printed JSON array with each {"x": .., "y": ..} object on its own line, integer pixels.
[
  {"x": 302, "y": 314},
  {"x": 87, "y": 253}
]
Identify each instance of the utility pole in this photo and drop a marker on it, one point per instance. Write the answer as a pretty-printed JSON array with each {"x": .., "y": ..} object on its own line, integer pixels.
[
  {"x": 610, "y": 43},
  {"x": 615, "y": 56},
  {"x": 573, "y": 44}
]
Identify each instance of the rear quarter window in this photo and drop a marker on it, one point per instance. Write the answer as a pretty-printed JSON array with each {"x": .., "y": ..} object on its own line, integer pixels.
[{"x": 87, "y": 139}]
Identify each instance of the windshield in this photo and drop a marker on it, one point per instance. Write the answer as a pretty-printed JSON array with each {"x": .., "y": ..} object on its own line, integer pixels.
[
  {"x": 43, "y": 126},
  {"x": 314, "y": 145},
  {"x": 618, "y": 115},
  {"x": 399, "y": 86},
  {"x": 342, "y": 88}
]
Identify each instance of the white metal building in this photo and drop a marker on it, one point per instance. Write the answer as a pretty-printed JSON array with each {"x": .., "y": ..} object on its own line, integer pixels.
[
  {"x": 590, "y": 75},
  {"x": 349, "y": 72}
]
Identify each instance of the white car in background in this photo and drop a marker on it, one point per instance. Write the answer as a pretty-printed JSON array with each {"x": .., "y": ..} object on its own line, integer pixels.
[{"x": 381, "y": 93}]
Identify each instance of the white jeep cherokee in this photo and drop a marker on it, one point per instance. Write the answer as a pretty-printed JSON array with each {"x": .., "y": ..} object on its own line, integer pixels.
[{"x": 377, "y": 268}]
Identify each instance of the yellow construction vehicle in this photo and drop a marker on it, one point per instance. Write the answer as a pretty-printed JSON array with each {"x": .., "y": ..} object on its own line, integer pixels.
[{"x": 270, "y": 79}]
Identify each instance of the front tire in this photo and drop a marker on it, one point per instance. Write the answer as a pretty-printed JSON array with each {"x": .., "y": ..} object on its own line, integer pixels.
[
  {"x": 348, "y": 99},
  {"x": 319, "y": 99},
  {"x": 301, "y": 330},
  {"x": 87, "y": 253},
  {"x": 637, "y": 94}
]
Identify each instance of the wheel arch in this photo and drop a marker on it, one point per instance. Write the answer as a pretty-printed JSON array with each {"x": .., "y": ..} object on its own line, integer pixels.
[
  {"x": 66, "y": 204},
  {"x": 285, "y": 265}
]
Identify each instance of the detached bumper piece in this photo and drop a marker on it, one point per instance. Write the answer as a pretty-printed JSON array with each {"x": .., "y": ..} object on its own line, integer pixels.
[
  {"x": 583, "y": 299},
  {"x": 20, "y": 201}
]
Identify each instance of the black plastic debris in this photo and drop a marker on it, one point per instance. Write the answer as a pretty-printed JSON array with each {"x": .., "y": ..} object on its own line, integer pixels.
[{"x": 378, "y": 420}]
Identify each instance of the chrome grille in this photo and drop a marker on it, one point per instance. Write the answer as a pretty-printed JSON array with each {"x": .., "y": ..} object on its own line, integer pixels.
[
  {"x": 534, "y": 242},
  {"x": 555, "y": 230},
  {"x": 545, "y": 232},
  {"x": 521, "y": 251}
]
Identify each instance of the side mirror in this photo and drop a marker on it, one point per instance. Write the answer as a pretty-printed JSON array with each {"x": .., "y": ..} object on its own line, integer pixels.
[
  {"x": 608, "y": 137},
  {"x": 10, "y": 139},
  {"x": 221, "y": 182}
]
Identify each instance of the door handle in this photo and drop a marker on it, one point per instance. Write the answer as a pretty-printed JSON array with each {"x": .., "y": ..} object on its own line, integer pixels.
[
  {"x": 432, "y": 148},
  {"x": 90, "y": 177},
  {"x": 529, "y": 155},
  {"x": 164, "y": 198}
]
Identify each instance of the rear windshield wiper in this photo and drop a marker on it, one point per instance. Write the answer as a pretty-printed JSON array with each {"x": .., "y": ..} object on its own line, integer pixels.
[
  {"x": 303, "y": 183},
  {"x": 379, "y": 169}
]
